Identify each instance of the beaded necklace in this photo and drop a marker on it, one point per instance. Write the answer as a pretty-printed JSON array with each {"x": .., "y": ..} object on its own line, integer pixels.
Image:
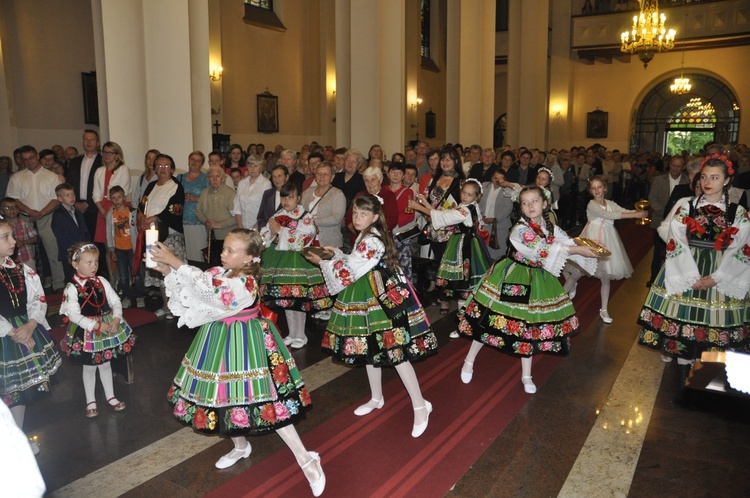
[
  {"x": 96, "y": 297},
  {"x": 6, "y": 277}
]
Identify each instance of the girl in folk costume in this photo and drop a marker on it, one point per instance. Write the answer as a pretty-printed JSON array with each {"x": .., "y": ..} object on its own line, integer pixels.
[
  {"x": 96, "y": 333},
  {"x": 699, "y": 301},
  {"x": 27, "y": 356},
  {"x": 466, "y": 258},
  {"x": 288, "y": 280},
  {"x": 376, "y": 320},
  {"x": 237, "y": 378},
  {"x": 520, "y": 307},
  {"x": 601, "y": 214}
]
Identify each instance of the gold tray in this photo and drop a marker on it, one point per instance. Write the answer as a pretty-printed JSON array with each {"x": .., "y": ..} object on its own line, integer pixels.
[
  {"x": 318, "y": 251},
  {"x": 600, "y": 250}
]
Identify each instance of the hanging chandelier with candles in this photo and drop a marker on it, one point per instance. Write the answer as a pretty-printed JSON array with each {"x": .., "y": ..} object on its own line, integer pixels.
[
  {"x": 681, "y": 85},
  {"x": 648, "y": 35}
]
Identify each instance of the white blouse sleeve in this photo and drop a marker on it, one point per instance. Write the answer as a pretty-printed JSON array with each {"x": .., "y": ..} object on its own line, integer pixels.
[
  {"x": 202, "y": 297},
  {"x": 343, "y": 270},
  {"x": 680, "y": 269},
  {"x": 267, "y": 235},
  {"x": 72, "y": 309},
  {"x": 450, "y": 217},
  {"x": 733, "y": 274},
  {"x": 537, "y": 249},
  {"x": 36, "y": 303},
  {"x": 98, "y": 192}
]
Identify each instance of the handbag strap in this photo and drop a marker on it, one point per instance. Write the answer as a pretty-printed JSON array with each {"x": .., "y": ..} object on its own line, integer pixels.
[{"x": 321, "y": 198}]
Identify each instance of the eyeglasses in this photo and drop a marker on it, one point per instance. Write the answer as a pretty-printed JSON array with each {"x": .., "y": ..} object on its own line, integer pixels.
[
  {"x": 108, "y": 152},
  {"x": 8, "y": 208}
]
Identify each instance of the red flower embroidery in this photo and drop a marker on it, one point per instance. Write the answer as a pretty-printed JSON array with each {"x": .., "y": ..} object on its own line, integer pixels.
[
  {"x": 395, "y": 296},
  {"x": 304, "y": 396},
  {"x": 700, "y": 334},
  {"x": 281, "y": 374},
  {"x": 388, "y": 340},
  {"x": 199, "y": 420},
  {"x": 671, "y": 246},
  {"x": 524, "y": 348},
  {"x": 657, "y": 321},
  {"x": 746, "y": 250},
  {"x": 268, "y": 413}
]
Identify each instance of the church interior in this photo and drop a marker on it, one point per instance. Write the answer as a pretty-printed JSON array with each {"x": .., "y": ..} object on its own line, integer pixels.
[{"x": 186, "y": 75}]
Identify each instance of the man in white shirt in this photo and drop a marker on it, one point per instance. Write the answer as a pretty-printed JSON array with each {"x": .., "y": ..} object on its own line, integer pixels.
[{"x": 34, "y": 191}]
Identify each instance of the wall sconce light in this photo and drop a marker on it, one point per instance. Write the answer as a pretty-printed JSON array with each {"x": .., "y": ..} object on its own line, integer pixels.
[
  {"x": 416, "y": 103},
  {"x": 557, "y": 111},
  {"x": 216, "y": 72}
]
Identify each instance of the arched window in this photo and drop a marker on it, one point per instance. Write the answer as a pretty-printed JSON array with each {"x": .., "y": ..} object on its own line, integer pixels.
[{"x": 425, "y": 22}]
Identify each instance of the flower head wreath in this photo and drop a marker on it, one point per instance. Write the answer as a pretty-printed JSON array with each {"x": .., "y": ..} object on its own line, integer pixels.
[
  {"x": 81, "y": 250},
  {"x": 478, "y": 184},
  {"x": 722, "y": 158},
  {"x": 548, "y": 171}
]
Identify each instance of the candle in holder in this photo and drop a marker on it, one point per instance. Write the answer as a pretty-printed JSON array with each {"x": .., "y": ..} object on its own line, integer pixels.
[{"x": 152, "y": 237}]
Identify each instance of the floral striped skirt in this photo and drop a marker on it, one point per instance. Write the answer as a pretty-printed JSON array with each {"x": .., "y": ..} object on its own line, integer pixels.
[
  {"x": 520, "y": 310},
  {"x": 685, "y": 325},
  {"x": 361, "y": 332},
  {"x": 238, "y": 378},
  {"x": 88, "y": 347},
  {"x": 291, "y": 282},
  {"x": 465, "y": 261},
  {"x": 25, "y": 375}
]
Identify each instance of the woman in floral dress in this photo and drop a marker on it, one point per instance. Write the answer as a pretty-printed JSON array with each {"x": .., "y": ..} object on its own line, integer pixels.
[
  {"x": 288, "y": 280},
  {"x": 520, "y": 307},
  {"x": 699, "y": 301},
  {"x": 376, "y": 320},
  {"x": 237, "y": 378}
]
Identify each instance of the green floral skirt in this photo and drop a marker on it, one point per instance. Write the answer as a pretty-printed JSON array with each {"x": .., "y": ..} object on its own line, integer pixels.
[
  {"x": 291, "y": 282},
  {"x": 465, "y": 261},
  {"x": 238, "y": 378},
  {"x": 364, "y": 330},
  {"x": 520, "y": 309},
  {"x": 685, "y": 325}
]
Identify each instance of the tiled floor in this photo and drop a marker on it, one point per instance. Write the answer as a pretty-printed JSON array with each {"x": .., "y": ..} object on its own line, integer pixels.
[{"x": 684, "y": 452}]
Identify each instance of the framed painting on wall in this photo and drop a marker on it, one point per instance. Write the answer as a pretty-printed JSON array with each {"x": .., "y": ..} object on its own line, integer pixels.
[
  {"x": 268, "y": 113},
  {"x": 596, "y": 124},
  {"x": 90, "y": 98}
]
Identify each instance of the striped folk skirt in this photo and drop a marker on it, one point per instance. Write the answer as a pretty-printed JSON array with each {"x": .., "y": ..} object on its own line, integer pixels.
[
  {"x": 465, "y": 261},
  {"x": 25, "y": 375},
  {"x": 237, "y": 379},
  {"x": 291, "y": 282},
  {"x": 685, "y": 325},
  {"x": 88, "y": 347}
]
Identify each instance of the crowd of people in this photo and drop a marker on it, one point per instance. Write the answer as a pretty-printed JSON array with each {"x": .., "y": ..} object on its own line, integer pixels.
[{"x": 351, "y": 237}]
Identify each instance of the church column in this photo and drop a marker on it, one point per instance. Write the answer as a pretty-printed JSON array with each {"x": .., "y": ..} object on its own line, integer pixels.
[
  {"x": 370, "y": 78},
  {"x": 470, "y": 86},
  {"x": 152, "y": 61},
  {"x": 528, "y": 73},
  {"x": 561, "y": 76}
]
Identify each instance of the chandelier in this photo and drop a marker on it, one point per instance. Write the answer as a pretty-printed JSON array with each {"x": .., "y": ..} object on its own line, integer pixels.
[
  {"x": 681, "y": 85},
  {"x": 648, "y": 35}
]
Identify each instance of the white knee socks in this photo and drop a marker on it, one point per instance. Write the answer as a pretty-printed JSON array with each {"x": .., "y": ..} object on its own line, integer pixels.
[{"x": 89, "y": 381}]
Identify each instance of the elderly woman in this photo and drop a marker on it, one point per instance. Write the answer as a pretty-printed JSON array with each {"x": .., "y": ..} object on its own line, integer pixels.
[
  {"x": 193, "y": 182},
  {"x": 214, "y": 211},
  {"x": 148, "y": 177},
  {"x": 350, "y": 181},
  {"x": 443, "y": 192},
  {"x": 271, "y": 201},
  {"x": 250, "y": 193},
  {"x": 327, "y": 204},
  {"x": 161, "y": 206},
  {"x": 374, "y": 185}
]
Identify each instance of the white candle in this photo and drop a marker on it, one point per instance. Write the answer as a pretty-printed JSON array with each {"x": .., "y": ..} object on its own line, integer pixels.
[{"x": 152, "y": 237}]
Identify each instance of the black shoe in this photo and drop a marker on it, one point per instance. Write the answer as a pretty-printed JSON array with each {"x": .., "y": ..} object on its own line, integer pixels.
[{"x": 648, "y": 284}]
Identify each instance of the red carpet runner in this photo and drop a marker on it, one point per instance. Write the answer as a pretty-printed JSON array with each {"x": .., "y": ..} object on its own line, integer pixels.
[{"x": 376, "y": 456}]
